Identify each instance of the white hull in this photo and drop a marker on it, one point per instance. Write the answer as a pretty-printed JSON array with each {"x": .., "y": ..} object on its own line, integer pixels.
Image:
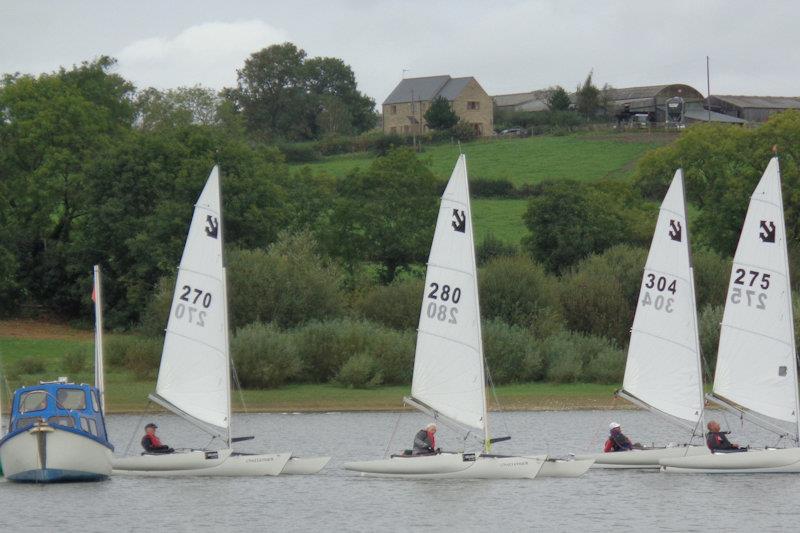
[
  {"x": 786, "y": 460},
  {"x": 201, "y": 463},
  {"x": 452, "y": 465},
  {"x": 304, "y": 465},
  {"x": 643, "y": 458},
  {"x": 45, "y": 454},
  {"x": 565, "y": 467}
]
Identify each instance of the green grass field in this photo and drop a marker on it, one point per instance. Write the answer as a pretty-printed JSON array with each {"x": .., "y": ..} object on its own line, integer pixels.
[
  {"x": 500, "y": 217},
  {"x": 583, "y": 157},
  {"x": 124, "y": 393}
]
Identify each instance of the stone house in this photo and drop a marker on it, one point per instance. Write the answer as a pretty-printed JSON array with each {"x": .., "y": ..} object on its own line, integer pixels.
[{"x": 404, "y": 109}]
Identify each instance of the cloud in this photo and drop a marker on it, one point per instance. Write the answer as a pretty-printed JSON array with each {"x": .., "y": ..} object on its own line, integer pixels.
[{"x": 206, "y": 54}]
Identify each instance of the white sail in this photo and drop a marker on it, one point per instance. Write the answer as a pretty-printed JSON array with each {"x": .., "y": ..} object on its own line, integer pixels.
[
  {"x": 194, "y": 376},
  {"x": 756, "y": 364},
  {"x": 663, "y": 367},
  {"x": 448, "y": 365},
  {"x": 99, "y": 372}
]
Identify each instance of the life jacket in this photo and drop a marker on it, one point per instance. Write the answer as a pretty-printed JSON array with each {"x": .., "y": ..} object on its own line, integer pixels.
[
  {"x": 716, "y": 440},
  {"x": 617, "y": 442},
  {"x": 154, "y": 442},
  {"x": 432, "y": 438}
]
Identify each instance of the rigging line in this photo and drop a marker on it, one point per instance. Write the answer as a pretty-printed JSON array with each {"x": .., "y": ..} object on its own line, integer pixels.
[
  {"x": 394, "y": 431},
  {"x": 494, "y": 394},
  {"x": 201, "y": 274},
  {"x": 138, "y": 425},
  {"x": 665, "y": 339},
  {"x": 451, "y": 269},
  {"x": 744, "y": 330}
]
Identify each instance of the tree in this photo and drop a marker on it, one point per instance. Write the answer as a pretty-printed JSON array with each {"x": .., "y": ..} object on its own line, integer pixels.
[
  {"x": 385, "y": 213},
  {"x": 587, "y": 97},
  {"x": 440, "y": 115},
  {"x": 558, "y": 99},
  {"x": 177, "y": 107},
  {"x": 283, "y": 94}
]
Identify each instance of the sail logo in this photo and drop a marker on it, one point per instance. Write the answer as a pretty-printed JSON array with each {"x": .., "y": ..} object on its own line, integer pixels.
[
  {"x": 675, "y": 230},
  {"x": 767, "y": 231},
  {"x": 212, "y": 226},
  {"x": 460, "y": 221}
]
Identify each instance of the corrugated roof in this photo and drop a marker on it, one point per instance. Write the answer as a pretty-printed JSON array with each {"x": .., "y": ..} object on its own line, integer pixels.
[
  {"x": 635, "y": 93},
  {"x": 701, "y": 115},
  {"x": 761, "y": 102},
  {"x": 514, "y": 99}
]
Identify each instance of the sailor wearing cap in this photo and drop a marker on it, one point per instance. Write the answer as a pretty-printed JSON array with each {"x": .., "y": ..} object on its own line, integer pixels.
[{"x": 151, "y": 443}]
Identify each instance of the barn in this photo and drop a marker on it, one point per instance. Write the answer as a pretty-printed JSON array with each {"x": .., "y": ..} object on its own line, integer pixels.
[{"x": 753, "y": 108}]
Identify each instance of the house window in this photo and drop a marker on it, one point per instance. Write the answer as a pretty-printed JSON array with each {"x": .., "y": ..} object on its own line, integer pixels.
[
  {"x": 393, "y": 109},
  {"x": 473, "y": 105}
]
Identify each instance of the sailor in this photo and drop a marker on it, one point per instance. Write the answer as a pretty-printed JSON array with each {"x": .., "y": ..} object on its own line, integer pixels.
[
  {"x": 151, "y": 443},
  {"x": 617, "y": 442},
  {"x": 716, "y": 439},
  {"x": 425, "y": 441}
]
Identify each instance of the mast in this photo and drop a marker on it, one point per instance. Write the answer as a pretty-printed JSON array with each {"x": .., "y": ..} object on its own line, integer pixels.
[
  {"x": 99, "y": 375},
  {"x": 225, "y": 312}
]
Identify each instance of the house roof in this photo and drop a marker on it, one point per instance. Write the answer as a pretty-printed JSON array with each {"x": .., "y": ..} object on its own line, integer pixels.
[
  {"x": 635, "y": 93},
  {"x": 426, "y": 89},
  {"x": 761, "y": 102},
  {"x": 515, "y": 99}
]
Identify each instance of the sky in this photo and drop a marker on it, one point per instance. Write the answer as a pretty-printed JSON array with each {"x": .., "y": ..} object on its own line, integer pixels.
[{"x": 508, "y": 46}]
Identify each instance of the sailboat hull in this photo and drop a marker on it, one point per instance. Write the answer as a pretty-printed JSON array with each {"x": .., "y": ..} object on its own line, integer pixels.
[
  {"x": 649, "y": 458},
  {"x": 304, "y": 465},
  {"x": 50, "y": 455},
  {"x": 201, "y": 463},
  {"x": 785, "y": 460},
  {"x": 452, "y": 465},
  {"x": 565, "y": 467}
]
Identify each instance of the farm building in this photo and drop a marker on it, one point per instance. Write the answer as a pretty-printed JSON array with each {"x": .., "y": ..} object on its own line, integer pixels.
[
  {"x": 753, "y": 108},
  {"x": 651, "y": 99},
  {"x": 404, "y": 109},
  {"x": 531, "y": 101}
]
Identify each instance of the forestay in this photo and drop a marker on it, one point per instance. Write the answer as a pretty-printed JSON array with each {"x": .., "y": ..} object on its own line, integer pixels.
[
  {"x": 194, "y": 374},
  {"x": 756, "y": 365},
  {"x": 663, "y": 366},
  {"x": 448, "y": 365}
]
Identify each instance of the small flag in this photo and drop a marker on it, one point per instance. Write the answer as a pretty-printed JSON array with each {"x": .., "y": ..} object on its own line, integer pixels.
[{"x": 94, "y": 295}]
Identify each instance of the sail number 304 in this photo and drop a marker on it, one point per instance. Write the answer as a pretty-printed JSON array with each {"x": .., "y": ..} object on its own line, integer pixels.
[
  {"x": 446, "y": 311},
  {"x": 659, "y": 284},
  {"x": 194, "y": 297}
]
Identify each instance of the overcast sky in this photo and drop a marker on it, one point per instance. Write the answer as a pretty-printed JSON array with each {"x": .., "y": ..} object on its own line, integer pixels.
[{"x": 509, "y": 46}]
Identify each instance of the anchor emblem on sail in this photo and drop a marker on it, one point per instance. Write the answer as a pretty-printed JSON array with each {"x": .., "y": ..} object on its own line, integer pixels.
[
  {"x": 767, "y": 231},
  {"x": 675, "y": 230},
  {"x": 460, "y": 222},
  {"x": 212, "y": 226}
]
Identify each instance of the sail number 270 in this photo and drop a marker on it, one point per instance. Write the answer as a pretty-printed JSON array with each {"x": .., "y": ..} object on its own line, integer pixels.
[
  {"x": 188, "y": 311},
  {"x": 443, "y": 311},
  {"x": 751, "y": 278}
]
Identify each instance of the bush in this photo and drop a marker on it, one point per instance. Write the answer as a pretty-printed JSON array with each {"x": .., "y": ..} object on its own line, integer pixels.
[
  {"x": 711, "y": 275},
  {"x": 360, "y": 371},
  {"x": 510, "y": 353},
  {"x": 156, "y": 313},
  {"x": 385, "y": 143},
  {"x": 492, "y": 248},
  {"x": 464, "y": 131},
  {"x": 264, "y": 356},
  {"x": 74, "y": 361},
  {"x": 27, "y": 366},
  {"x": 288, "y": 284},
  {"x": 325, "y": 347},
  {"x": 334, "y": 144},
  {"x": 486, "y": 188},
  {"x": 599, "y": 295},
  {"x": 572, "y": 357},
  {"x": 139, "y": 354},
  {"x": 708, "y": 324},
  {"x": 518, "y": 291},
  {"x": 300, "y": 153},
  {"x": 395, "y": 305},
  {"x": 607, "y": 366}
]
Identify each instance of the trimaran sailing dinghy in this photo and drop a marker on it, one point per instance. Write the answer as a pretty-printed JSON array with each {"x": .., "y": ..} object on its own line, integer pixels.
[
  {"x": 448, "y": 381},
  {"x": 756, "y": 374},
  {"x": 194, "y": 377},
  {"x": 663, "y": 371}
]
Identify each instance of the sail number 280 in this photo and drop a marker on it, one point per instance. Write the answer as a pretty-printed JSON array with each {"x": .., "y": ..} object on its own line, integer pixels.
[{"x": 443, "y": 311}]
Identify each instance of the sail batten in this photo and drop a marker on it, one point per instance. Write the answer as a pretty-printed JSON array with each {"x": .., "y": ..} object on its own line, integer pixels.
[
  {"x": 195, "y": 363},
  {"x": 756, "y": 361},
  {"x": 662, "y": 369},
  {"x": 448, "y": 363}
]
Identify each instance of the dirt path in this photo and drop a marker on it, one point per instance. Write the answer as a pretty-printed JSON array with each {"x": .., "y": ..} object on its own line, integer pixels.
[{"x": 39, "y": 329}]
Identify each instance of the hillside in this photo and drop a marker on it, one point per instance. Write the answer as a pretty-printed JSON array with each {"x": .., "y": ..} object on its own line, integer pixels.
[{"x": 580, "y": 157}]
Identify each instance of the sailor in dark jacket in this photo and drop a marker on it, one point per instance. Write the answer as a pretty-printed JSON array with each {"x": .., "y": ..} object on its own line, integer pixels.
[
  {"x": 151, "y": 443},
  {"x": 716, "y": 439},
  {"x": 425, "y": 441},
  {"x": 617, "y": 441}
]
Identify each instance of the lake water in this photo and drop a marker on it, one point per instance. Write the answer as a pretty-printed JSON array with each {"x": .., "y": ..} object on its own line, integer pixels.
[{"x": 339, "y": 500}]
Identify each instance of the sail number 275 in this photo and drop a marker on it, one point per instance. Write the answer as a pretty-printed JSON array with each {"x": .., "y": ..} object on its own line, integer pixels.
[
  {"x": 750, "y": 278},
  {"x": 449, "y": 296}
]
